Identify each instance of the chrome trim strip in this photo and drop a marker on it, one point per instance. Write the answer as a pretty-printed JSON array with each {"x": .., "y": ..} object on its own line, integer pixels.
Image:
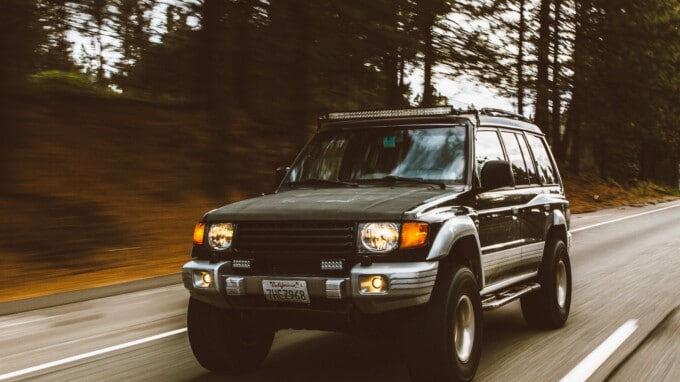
[
  {"x": 501, "y": 246},
  {"x": 497, "y": 259},
  {"x": 335, "y": 289},
  {"x": 533, "y": 251},
  {"x": 507, "y": 282},
  {"x": 235, "y": 286}
]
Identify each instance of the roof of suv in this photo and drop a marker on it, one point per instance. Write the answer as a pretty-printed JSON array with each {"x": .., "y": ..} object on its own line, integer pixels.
[{"x": 438, "y": 114}]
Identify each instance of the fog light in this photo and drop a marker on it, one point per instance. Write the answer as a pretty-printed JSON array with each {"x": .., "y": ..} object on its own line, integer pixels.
[
  {"x": 373, "y": 284},
  {"x": 202, "y": 279}
]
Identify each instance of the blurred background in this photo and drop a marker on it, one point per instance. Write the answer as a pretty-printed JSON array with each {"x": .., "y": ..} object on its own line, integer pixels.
[{"x": 123, "y": 121}]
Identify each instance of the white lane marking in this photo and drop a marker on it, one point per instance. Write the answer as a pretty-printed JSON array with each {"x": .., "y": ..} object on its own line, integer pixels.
[
  {"x": 79, "y": 357},
  {"x": 589, "y": 216},
  {"x": 594, "y": 360},
  {"x": 17, "y": 323},
  {"x": 624, "y": 218}
]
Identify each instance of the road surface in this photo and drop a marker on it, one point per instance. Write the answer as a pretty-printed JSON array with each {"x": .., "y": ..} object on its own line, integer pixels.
[{"x": 624, "y": 325}]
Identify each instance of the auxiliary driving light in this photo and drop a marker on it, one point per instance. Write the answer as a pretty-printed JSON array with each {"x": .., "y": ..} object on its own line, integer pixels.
[
  {"x": 202, "y": 279},
  {"x": 332, "y": 265},
  {"x": 241, "y": 264},
  {"x": 373, "y": 284}
]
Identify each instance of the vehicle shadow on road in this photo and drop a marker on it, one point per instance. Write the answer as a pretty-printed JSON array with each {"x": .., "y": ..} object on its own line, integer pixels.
[{"x": 322, "y": 356}]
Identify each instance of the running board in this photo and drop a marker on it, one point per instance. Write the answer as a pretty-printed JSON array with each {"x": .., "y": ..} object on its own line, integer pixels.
[{"x": 499, "y": 299}]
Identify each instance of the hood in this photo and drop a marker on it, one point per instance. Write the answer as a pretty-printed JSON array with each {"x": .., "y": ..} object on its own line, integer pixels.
[{"x": 356, "y": 204}]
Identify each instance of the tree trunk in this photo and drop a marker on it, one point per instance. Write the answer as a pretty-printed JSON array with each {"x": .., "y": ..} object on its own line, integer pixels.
[
  {"x": 391, "y": 62},
  {"x": 542, "y": 81},
  {"x": 241, "y": 53},
  {"x": 576, "y": 109},
  {"x": 521, "y": 30},
  {"x": 556, "y": 96},
  {"x": 217, "y": 169},
  {"x": 428, "y": 62}
]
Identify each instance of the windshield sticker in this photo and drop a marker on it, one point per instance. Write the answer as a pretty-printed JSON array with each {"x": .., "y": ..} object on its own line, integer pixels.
[{"x": 390, "y": 142}]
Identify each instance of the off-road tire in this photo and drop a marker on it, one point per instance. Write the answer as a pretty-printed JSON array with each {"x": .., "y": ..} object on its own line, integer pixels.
[
  {"x": 549, "y": 307},
  {"x": 434, "y": 351},
  {"x": 222, "y": 341}
]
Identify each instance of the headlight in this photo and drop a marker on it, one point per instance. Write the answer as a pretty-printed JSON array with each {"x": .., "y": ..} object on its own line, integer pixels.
[
  {"x": 220, "y": 235},
  {"x": 378, "y": 237}
]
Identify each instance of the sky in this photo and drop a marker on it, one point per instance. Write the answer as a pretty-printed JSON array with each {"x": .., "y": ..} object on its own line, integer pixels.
[{"x": 461, "y": 92}]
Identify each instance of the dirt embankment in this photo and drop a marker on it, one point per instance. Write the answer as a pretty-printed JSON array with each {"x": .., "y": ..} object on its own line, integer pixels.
[{"x": 97, "y": 192}]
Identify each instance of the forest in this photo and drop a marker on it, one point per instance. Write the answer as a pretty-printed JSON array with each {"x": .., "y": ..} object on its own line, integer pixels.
[
  {"x": 599, "y": 77},
  {"x": 123, "y": 121}
]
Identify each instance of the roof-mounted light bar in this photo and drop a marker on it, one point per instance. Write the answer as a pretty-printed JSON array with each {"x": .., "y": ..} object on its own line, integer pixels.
[{"x": 387, "y": 113}]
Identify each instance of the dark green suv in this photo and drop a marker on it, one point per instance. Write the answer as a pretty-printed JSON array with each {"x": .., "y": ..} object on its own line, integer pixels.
[{"x": 412, "y": 220}]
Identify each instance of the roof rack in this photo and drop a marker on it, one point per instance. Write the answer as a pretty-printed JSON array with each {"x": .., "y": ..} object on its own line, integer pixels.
[{"x": 502, "y": 113}]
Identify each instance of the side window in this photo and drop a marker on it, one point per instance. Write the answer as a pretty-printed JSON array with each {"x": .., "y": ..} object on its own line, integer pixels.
[
  {"x": 519, "y": 167},
  {"x": 546, "y": 172},
  {"x": 487, "y": 147},
  {"x": 531, "y": 166}
]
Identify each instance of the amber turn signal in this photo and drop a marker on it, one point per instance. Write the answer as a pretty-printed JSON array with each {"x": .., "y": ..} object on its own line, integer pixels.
[
  {"x": 199, "y": 230},
  {"x": 413, "y": 234}
]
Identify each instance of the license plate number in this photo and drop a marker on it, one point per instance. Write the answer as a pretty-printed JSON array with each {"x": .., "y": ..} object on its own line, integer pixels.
[{"x": 286, "y": 291}]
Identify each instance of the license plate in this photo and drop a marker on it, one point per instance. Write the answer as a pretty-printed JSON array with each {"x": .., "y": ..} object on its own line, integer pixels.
[{"x": 286, "y": 291}]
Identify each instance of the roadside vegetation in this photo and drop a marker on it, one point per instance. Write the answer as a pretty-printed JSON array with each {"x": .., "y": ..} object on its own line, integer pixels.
[
  {"x": 104, "y": 190},
  {"x": 114, "y": 143}
]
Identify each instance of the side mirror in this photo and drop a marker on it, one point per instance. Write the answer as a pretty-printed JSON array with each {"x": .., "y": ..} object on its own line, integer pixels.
[
  {"x": 280, "y": 174},
  {"x": 496, "y": 174}
]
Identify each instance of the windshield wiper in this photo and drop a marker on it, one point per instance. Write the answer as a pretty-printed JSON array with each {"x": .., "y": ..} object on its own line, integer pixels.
[
  {"x": 395, "y": 179},
  {"x": 317, "y": 181}
]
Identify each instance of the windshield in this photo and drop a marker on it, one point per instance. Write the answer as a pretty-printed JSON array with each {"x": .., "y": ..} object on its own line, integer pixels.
[{"x": 433, "y": 154}]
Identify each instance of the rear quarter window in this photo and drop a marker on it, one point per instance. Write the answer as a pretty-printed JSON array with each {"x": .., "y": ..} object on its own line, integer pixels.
[{"x": 546, "y": 170}]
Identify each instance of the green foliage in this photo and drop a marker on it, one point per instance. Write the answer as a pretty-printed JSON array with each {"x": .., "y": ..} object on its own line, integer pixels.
[
  {"x": 633, "y": 50},
  {"x": 69, "y": 83}
]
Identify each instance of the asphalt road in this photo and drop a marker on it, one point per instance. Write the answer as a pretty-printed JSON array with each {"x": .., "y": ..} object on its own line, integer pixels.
[{"x": 624, "y": 324}]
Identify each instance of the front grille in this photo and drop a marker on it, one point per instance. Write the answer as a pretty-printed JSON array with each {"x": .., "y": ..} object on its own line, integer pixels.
[{"x": 305, "y": 239}]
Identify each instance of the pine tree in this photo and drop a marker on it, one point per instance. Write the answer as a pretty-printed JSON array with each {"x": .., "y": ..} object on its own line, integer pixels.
[{"x": 56, "y": 51}]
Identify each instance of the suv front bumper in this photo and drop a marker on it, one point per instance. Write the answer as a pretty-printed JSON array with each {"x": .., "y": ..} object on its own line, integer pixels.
[{"x": 408, "y": 284}]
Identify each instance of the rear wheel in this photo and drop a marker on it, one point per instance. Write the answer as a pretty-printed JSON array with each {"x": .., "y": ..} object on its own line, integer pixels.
[
  {"x": 549, "y": 307},
  {"x": 222, "y": 341},
  {"x": 445, "y": 335}
]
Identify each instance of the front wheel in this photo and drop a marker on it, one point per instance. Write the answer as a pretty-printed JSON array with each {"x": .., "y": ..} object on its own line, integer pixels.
[
  {"x": 445, "y": 336},
  {"x": 222, "y": 341},
  {"x": 549, "y": 307}
]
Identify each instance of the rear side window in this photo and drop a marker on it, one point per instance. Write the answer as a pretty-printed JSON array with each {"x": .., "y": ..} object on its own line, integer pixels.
[
  {"x": 518, "y": 158},
  {"x": 546, "y": 171},
  {"x": 487, "y": 147}
]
